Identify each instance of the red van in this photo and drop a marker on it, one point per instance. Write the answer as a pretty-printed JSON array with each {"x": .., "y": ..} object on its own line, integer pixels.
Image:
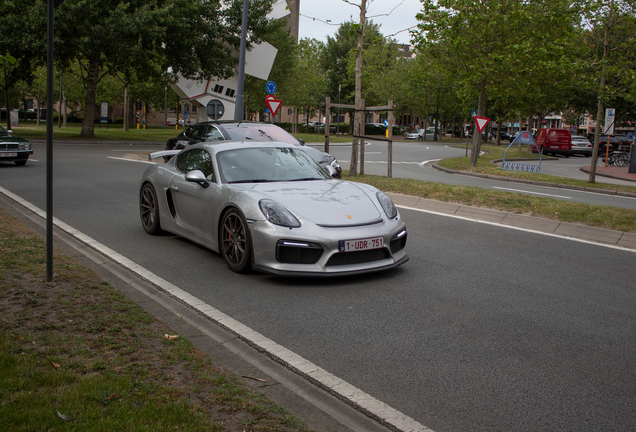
[{"x": 554, "y": 141}]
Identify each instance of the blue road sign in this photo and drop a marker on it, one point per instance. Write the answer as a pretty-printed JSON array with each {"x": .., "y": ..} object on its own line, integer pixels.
[
  {"x": 270, "y": 87},
  {"x": 474, "y": 113},
  {"x": 386, "y": 123}
]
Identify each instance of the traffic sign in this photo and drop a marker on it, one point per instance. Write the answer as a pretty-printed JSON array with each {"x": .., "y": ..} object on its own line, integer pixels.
[
  {"x": 273, "y": 104},
  {"x": 270, "y": 87},
  {"x": 386, "y": 123},
  {"x": 481, "y": 123},
  {"x": 474, "y": 114}
]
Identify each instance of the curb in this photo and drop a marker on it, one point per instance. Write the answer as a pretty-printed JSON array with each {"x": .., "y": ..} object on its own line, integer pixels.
[{"x": 540, "y": 183}]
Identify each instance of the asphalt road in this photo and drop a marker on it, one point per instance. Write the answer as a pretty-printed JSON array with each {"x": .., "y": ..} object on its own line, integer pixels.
[
  {"x": 412, "y": 159},
  {"x": 485, "y": 328}
]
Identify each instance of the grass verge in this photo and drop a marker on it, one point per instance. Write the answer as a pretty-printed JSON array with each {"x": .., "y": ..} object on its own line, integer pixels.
[
  {"x": 485, "y": 166},
  {"x": 116, "y": 133},
  {"x": 593, "y": 215},
  {"x": 75, "y": 354}
]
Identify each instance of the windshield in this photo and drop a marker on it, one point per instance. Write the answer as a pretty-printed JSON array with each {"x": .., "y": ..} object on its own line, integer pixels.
[
  {"x": 3, "y": 131},
  {"x": 260, "y": 132},
  {"x": 268, "y": 164}
]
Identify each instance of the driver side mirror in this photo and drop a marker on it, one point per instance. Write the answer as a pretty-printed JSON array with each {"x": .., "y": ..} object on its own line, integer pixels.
[{"x": 197, "y": 176}]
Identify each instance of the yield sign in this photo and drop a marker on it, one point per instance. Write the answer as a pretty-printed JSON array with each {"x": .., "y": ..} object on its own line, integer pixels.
[
  {"x": 481, "y": 123},
  {"x": 273, "y": 104}
]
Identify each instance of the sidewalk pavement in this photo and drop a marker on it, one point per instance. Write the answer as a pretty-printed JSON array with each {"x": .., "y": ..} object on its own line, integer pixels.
[{"x": 620, "y": 173}]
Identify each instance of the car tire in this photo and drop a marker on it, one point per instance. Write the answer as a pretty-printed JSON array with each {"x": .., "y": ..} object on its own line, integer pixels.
[
  {"x": 235, "y": 242},
  {"x": 149, "y": 210},
  {"x": 20, "y": 162}
]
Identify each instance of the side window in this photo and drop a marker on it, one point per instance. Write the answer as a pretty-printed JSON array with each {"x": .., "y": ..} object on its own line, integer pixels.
[
  {"x": 198, "y": 159},
  {"x": 189, "y": 132},
  {"x": 213, "y": 134},
  {"x": 196, "y": 132},
  {"x": 182, "y": 158}
]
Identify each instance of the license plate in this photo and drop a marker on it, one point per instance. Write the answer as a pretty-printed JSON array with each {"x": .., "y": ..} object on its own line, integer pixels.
[
  {"x": 361, "y": 244},
  {"x": 8, "y": 155}
]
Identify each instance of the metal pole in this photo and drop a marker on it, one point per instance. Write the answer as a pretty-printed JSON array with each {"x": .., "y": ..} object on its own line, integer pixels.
[
  {"x": 238, "y": 108},
  {"x": 49, "y": 143},
  {"x": 165, "y": 110}
]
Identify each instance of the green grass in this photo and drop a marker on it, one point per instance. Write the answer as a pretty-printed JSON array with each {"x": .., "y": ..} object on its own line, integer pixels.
[
  {"x": 76, "y": 354},
  {"x": 485, "y": 166},
  {"x": 593, "y": 215},
  {"x": 116, "y": 133}
]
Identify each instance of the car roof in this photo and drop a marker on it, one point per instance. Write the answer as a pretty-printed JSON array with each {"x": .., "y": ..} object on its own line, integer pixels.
[{"x": 218, "y": 146}]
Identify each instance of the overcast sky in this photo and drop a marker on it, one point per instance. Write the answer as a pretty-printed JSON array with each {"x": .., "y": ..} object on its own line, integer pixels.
[{"x": 315, "y": 13}]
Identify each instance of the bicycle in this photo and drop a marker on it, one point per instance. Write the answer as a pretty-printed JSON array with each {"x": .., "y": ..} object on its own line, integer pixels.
[{"x": 619, "y": 158}]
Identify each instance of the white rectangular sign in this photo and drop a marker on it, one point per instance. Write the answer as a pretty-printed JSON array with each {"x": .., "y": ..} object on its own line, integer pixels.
[{"x": 610, "y": 116}]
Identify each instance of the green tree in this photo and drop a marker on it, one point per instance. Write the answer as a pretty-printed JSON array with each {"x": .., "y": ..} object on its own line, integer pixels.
[
  {"x": 498, "y": 48},
  {"x": 147, "y": 37},
  {"x": 612, "y": 30},
  {"x": 25, "y": 50},
  {"x": 307, "y": 85}
]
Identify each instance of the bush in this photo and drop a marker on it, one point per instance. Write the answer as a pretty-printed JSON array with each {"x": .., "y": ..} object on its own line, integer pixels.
[{"x": 284, "y": 125}]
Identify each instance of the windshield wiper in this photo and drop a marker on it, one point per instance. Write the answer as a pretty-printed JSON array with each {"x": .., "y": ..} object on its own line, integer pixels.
[
  {"x": 252, "y": 181},
  {"x": 306, "y": 179}
]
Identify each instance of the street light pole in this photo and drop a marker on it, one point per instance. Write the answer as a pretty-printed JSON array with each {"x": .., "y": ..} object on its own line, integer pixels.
[{"x": 238, "y": 107}]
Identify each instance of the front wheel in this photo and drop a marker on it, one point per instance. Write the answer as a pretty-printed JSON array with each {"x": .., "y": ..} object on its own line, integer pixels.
[
  {"x": 236, "y": 245},
  {"x": 149, "y": 209}
]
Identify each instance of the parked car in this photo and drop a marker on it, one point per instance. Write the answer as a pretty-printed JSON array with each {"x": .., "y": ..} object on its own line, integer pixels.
[
  {"x": 320, "y": 127},
  {"x": 503, "y": 135},
  {"x": 614, "y": 142},
  {"x": 420, "y": 134},
  {"x": 14, "y": 149},
  {"x": 581, "y": 145},
  {"x": 554, "y": 141},
  {"x": 270, "y": 207},
  {"x": 230, "y": 130}
]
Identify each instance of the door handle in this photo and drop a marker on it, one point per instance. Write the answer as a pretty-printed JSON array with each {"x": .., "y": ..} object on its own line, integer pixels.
[{"x": 174, "y": 188}]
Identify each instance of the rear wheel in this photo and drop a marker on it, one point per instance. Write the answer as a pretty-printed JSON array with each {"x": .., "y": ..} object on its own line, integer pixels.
[
  {"x": 20, "y": 162},
  {"x": 149, "y": 209},
  {"x": 236, "y": 245}
]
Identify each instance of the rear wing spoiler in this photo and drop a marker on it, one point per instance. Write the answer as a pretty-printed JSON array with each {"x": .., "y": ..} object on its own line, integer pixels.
[{"x": 163, "y": 153}]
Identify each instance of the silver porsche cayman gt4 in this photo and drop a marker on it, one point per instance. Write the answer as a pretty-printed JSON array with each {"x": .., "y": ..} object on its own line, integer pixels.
[{"x": 270, "y": 207}]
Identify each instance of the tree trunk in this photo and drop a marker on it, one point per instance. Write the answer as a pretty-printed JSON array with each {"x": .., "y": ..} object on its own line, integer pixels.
[
  {"x": 88, "y": 125},
  {"x": 6, "y": 98},
  {"x": 599, "y": 111},
  {"x": 126, "y": 125},
  {"x": 359, "y": 115},
  {"x": 529, "y": 128}
]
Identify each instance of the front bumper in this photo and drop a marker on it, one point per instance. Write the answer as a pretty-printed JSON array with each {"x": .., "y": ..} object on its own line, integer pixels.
[
  {"x": 15, "y": 155},
  {"x": 330, "y": 261}
]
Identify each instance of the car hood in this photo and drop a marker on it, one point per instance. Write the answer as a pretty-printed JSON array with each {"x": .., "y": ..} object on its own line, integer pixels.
[
  {"x": 324, "y": 202},
  {"x": 12, "y": 139}
]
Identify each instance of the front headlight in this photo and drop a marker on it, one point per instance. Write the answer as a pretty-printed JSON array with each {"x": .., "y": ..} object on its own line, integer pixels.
[
  {"x": 277, "y": 214},
  {"x": 387, "y": 205},
  {"x": 25, "y": 146}
]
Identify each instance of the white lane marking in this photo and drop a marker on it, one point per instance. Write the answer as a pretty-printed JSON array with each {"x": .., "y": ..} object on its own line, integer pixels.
[
  {"x": 130, "y": 160},
  {"x": 621, "y": 248},
  {"x": 328, "y": 380},
  {"x": 533, "y": 193},
  {"x": 428, "y": 161},
  {"x": 383, "y": 162}
]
